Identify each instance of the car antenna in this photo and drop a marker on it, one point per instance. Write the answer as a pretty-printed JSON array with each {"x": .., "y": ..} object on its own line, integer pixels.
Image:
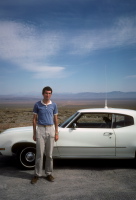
[
  {"x": 106, "y": 87},
  {"x": 106, "y": 103}
]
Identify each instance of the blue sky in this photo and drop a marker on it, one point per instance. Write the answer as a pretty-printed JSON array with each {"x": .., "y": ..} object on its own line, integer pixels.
[{"x": 72, "y": 46}]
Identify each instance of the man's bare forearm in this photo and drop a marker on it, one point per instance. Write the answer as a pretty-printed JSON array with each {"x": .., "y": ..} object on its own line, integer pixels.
[
  {"x": 56, "y": 127},
  {"x": 34, "y": 126},
  {"x": 56, "y": 123}
]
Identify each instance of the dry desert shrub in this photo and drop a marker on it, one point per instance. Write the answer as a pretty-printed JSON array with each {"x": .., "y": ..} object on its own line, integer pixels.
[
  {"x": 15, "y": 118},
  {"x": 19, "y": 117}
]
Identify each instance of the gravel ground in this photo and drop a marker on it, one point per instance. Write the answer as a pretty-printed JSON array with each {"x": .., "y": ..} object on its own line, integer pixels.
[{"x": 74, "y": 180}]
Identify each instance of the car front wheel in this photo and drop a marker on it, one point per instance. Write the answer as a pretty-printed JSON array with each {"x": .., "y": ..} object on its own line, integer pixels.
[{"x": 26, "y": 157}]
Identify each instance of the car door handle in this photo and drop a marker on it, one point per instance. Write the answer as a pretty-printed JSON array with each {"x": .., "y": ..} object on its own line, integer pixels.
[{"x": 107, "y": 134}]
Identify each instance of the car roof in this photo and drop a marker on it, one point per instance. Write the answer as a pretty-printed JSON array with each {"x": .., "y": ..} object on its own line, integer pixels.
[{"x": 109, "y": 110}]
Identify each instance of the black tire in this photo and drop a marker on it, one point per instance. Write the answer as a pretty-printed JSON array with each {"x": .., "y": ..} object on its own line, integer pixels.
[{"x": 26, "y": 157}]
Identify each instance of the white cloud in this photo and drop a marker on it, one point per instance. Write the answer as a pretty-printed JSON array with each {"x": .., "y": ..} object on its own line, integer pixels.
[
  {"x": 122, "y": 33},
  {"x": 131, "y": 77},
  {"x": 20, "y": 40},
  {"x": 33, "y": 49},
  {"x": 23, "y": 45},
  {"x": 44, "y": 68},
  {"x": 45, "y": 71}
]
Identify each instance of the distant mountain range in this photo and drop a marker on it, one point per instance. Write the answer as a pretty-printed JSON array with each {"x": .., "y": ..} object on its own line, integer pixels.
[
  {"x": 93, "y": 95},
  {"x": 80, "y": 96}
]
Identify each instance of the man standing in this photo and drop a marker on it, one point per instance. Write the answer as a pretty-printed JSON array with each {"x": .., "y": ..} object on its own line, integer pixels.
[{"x": 46, "y": 120}]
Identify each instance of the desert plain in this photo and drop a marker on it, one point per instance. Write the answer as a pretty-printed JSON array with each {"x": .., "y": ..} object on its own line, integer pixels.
[{"x": 19, "y": 113}]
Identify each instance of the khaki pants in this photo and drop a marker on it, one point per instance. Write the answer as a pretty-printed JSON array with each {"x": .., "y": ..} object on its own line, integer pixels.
[{"x": 44, "y": 144}]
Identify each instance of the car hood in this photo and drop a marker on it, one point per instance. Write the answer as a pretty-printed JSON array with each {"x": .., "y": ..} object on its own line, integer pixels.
[{"x": 18, "y": 129}]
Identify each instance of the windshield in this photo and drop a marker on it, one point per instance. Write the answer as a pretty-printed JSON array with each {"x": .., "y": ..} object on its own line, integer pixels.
[{"x": 65, "y": 123}]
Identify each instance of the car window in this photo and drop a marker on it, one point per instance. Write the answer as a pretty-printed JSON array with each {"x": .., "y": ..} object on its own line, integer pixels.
[
  {"x": 65, "y": 123},
  {"x": 94, "y": 120},
  {"x": 122, "y": 120}
]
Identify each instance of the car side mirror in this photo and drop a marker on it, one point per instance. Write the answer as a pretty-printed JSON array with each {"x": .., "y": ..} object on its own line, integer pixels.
[{"x": 74, "y": 125}]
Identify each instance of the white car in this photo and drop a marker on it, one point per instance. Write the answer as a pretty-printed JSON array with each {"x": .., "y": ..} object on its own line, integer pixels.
[{"x": 89, "y": 133}]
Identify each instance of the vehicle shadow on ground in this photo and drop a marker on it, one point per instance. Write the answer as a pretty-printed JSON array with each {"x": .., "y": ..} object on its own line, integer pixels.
[
  {"x": 9, "y": 166},
  {"x": 94, "y": 164}
]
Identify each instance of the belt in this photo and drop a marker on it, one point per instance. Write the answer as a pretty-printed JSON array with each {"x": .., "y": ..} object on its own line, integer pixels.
[{"x": 45, "y": 125}]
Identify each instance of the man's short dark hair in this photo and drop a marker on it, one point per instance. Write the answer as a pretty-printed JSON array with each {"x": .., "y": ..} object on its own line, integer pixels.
[{"x": 47, "y": 88}]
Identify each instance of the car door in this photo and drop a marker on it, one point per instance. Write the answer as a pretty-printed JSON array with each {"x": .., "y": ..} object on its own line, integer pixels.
[
  {"x": 125, "y": 129},
  {"x": 87, "y": 136}
]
